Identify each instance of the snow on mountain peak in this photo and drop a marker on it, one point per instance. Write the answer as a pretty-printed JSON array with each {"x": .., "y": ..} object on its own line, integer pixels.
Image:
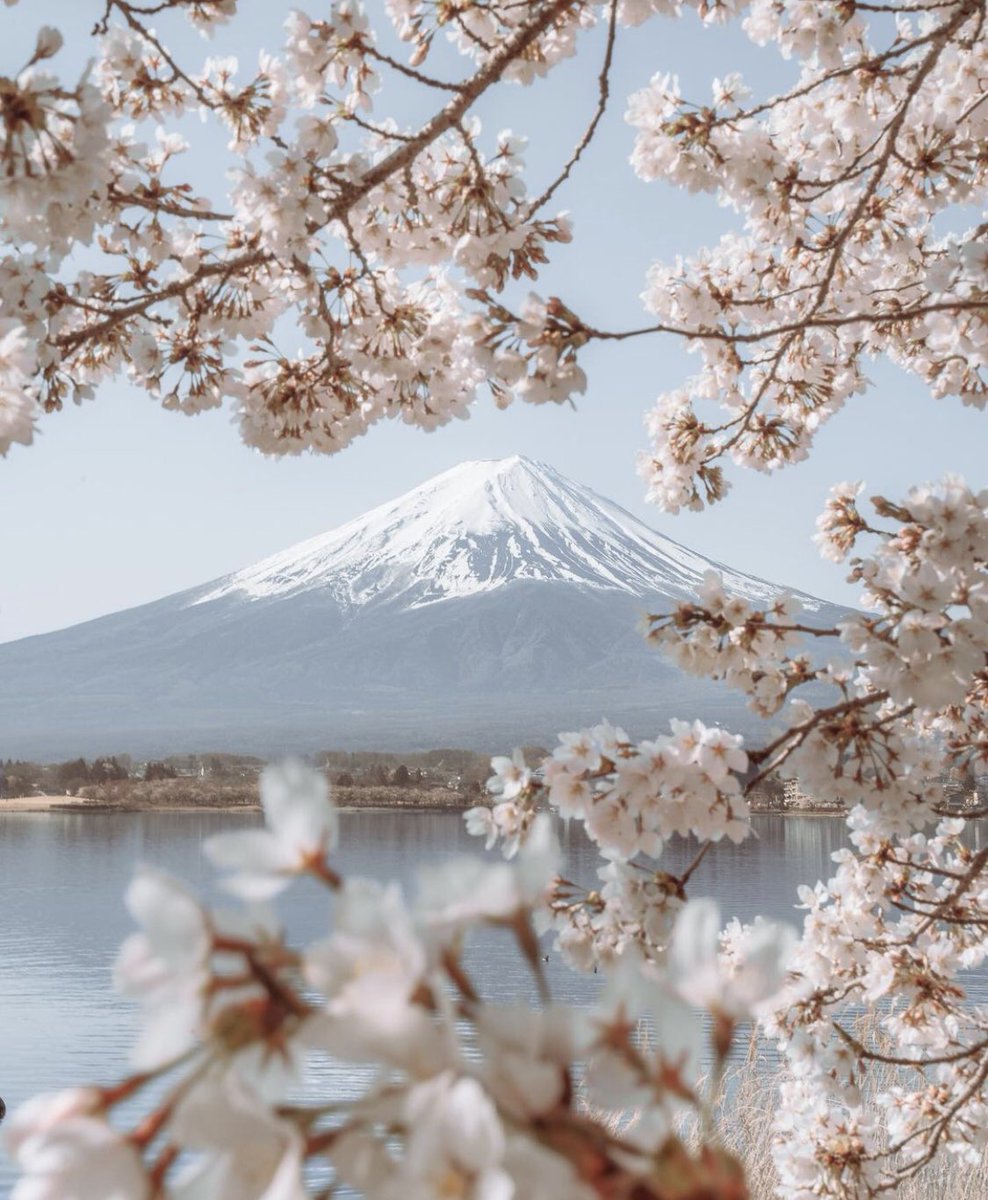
[{"x": 480, "y": 526}]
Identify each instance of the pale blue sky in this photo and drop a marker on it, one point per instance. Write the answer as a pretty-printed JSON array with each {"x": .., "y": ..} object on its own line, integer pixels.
[{"x": 119, "y": 503}]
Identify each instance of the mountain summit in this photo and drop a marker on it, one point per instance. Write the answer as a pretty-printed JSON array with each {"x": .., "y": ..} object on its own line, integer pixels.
[
  {"x": 478, "y": 527},
  {"x": 497, "y": 602}
]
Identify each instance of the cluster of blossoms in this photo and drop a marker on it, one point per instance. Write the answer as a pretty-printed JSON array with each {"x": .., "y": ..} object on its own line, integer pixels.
[
  {"x": 893, "y": 932},
  {"x": 631, "y": 798},
  {"x": 16, "y": 404},
  {"x": 840, "y": 182},
  {"x": 391, "y": 247},
  {"x": 54, "y": 156},
  {"x": 368, "y": 234},
  {"x": 903, "y": 705},
  {"x": 465, "y": 1097}
]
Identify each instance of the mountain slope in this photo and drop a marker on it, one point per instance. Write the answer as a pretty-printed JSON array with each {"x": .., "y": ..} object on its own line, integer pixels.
[
  {"x": 496, "y": 602},
  {"x": 478, "y": 527}
]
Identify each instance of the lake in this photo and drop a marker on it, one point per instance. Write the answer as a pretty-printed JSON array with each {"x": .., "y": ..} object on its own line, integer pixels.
[{"x": 62, "y": 878}]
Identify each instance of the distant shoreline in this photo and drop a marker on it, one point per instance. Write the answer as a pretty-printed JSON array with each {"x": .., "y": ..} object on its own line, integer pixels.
[{"x": 82, "y": 804}]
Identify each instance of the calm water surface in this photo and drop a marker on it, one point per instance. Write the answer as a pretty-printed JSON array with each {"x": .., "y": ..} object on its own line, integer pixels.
[{"x": 62, "y": 876}]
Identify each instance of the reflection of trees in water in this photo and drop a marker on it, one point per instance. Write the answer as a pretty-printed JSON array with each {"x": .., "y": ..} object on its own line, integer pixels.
[
  {"x": 761, "y": 875},
  {"x": 813, "y": 840},
  {"x": 20, "y": 829}
]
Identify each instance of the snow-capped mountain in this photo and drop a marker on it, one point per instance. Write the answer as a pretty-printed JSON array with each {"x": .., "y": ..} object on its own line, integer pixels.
[
  {"x": 496, "y": 602},
  {"x": 479, "y": 527}
]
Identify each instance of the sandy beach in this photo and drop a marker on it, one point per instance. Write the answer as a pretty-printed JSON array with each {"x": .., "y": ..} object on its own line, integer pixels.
[
  {"x": 60, "y": 804},
  {"x": 46, "y": 803}
]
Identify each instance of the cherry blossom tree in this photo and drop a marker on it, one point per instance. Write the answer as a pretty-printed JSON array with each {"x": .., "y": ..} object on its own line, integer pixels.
[{"x": 399, "y": 253}]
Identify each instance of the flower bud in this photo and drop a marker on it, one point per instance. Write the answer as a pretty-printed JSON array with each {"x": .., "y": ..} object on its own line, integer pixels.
[{"x": 49, "y": 43}]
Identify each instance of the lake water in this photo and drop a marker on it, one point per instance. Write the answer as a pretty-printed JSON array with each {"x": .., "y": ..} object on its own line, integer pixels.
[{"x": 62, "y": 877}]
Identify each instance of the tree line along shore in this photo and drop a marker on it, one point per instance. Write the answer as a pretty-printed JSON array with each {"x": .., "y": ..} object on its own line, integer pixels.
[
  {"x": 443, "y": 778},
  {"x": 439, "y": 779}
]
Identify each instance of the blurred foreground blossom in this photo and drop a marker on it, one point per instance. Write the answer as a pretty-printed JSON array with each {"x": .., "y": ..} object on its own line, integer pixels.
[
  {"x": 467, "y": 1098},
  {"x": 302, "y": 826}
]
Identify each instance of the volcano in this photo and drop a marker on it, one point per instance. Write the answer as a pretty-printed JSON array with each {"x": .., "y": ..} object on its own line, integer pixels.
[{"x": 498, "y": 602}]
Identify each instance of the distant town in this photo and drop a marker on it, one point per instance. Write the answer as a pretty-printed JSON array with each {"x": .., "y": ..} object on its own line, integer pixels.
[
  {"x": 441, "y": 778},
  {"x": 961, "y": 792}
]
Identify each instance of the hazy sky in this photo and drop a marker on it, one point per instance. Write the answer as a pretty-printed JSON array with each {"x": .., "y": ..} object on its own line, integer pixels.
[{"x": 119, "y": 502}]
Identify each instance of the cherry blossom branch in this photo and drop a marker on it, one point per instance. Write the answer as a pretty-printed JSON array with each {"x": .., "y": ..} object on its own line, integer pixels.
[
  {"x": 412, "y": 72},
  {"x": 604, "y": 90},
  {"x": 810, "y": 321},
  {"x": 866, "y": 1052},
  {"x": 351, "y": 194}
]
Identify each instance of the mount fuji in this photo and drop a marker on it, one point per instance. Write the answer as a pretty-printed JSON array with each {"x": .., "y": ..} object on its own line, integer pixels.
[{"x": 498, "y": 602}]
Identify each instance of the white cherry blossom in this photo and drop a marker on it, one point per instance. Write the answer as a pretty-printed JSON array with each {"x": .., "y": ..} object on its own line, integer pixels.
[
  {"x": 165, "y": 966},
  {"x": 735, "y": 984},
  {"x": 302, "y": 825},
  {"x": 243, "y": 1151},
  {"x": 65, "y": 1148}
]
